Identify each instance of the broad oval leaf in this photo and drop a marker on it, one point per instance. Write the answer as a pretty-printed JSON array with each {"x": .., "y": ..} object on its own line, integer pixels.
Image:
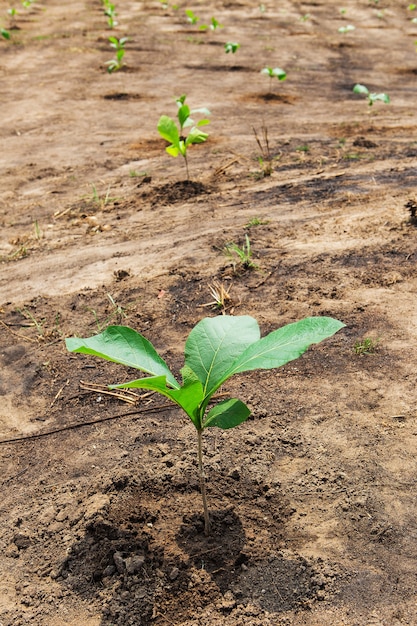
[
  {"x": 227, "y": 414},
  {"x": 284, "y": 345},
  {"x": 215, "y": 343},
  {"x": 187, "y": 397},
  {"x": 167, "y": 128},
  {"x": 124, "y": 345}
]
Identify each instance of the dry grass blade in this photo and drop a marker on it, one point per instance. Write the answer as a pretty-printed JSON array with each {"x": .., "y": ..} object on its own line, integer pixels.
[{"x": 221, "y": 296}]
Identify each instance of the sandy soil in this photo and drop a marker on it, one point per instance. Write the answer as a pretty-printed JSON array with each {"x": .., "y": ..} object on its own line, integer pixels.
[{"x": 313, "y": 500}]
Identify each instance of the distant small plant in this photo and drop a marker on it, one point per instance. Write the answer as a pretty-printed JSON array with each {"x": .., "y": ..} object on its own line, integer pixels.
[
  {"x": 274, "y": 72},
  {"x": 346, "y": 29},
  {"x": 231, "y": 47},
  {"x": 110, "y": 13},
  {"x": 214, "y": 25},
  {"x": 191, "y": 17},
  {"x": 4, "y": 33},
  {"x": 179, "y": 143},
  {"x": 27, "y": 3},
  {"x": 12, "y": 13},
  {"x": 119, "y": 46},
  {"x": 366, "y": 346},
  {"x": 241, "y": 255},
  {"x": 256, "y": 221},
  {"x": 371, "y": 97}
]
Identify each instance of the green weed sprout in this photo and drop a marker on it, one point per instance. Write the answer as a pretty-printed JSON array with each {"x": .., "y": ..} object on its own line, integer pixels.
[
  {"x": 243, "y": 254},
  {"x": 4, "y": 33},
  {"x": 366, "y": 346},
  {"x": 371, "y": 97},
  {"x": 27, "y": 3},
  {"x": 274, "y": 72},
  {"x": 231, "y": 46},
  {"x": 216, "y": 349},
  {"x": 119, "y": 46},
  {"x": 168, "y": 129}
]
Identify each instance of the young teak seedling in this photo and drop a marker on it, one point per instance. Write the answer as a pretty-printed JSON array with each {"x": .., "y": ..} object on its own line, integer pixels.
[
  {"x": 231, "y": 47},
  {"x": 274, "y": 72},
  {"x": 371, "y": 97},
  {"x": 119, "y": 46},
  {"x": 216, "y": 349},
  {"x": 179, "y": 143}
]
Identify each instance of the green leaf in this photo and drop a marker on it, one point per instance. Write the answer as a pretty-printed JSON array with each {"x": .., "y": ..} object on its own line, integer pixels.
[
  {"x": 173, "y": 150},
  {"x": 361, "y": 89},
  {"x": 227, "y": 414},
  {"x": 195, "y": 136},
  {"x": 183, "y": 114},
  {"x": 203, "y": 122},
  {"x": 180, "y": 100},
  {"x": 215, "y": 343},
  {"x": 284, "y": 345},
  {"x": 188, "y": 397},
  {"x": 383, "y": 97},
  {"x": 279, "y": 73},
  {"x": 188, "y": 376},
  {"x": 121, "y": 344},
  {"x": 167, "y": 128},
  {"x": 201, "y": 110}
]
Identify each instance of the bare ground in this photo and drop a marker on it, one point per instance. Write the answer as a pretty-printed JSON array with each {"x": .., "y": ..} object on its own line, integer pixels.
[{"x": 313, "y": 499}]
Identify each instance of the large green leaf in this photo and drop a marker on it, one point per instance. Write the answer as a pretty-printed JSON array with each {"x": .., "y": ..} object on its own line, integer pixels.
[
  {"x": 167, "y": 128},
  {"x": 227, "y": 414},
  {"x": 284, "y": 345},
  {"x": 188, "y": 397},
  {"x": 215, "y": 343},
  {"x": 124, "y": 345}
]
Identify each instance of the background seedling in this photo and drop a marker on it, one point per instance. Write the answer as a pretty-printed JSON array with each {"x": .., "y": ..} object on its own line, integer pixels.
[
  {"x": 214, "y": 25},
  {"x": 191, "y": 18},
  {"x": 117, "y": 312},
  {"x": 174, "y": 134},
  {"x": 119, "y": 46},
  {"x": 231, "y": 47},
  {"x": 274, "y": 72},
  {"x": 371, "y": 97},
  {"x": 366, "y": 346},
  {"x": 4, "y": 33},
  {"x": 216, "y": 349},
  {"x": 346, "y": 29},
  {"x": 110, "y": 13},
  {"x": 241, "y": 255},
  {"x": 256, "y": 221}
]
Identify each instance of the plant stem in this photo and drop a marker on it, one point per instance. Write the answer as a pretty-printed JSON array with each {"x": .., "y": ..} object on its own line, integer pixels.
[
  {"x": 186, "y": 167},
  {"x": 202, "y": 477}
]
